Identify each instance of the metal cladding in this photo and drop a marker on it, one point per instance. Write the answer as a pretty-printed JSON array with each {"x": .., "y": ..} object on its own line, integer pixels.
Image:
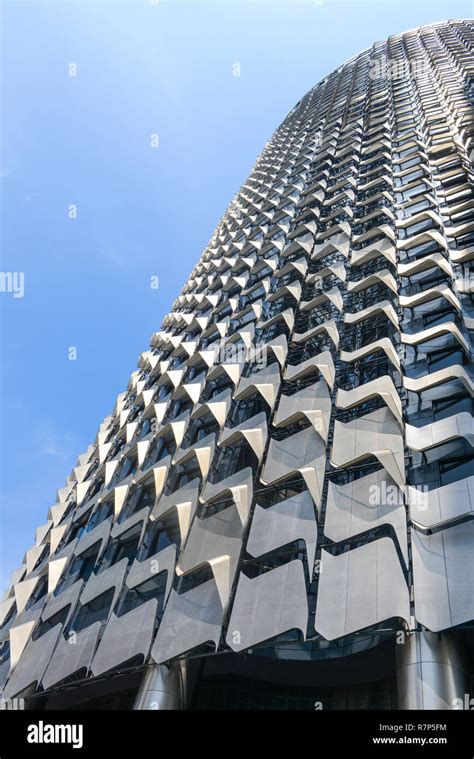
[{"x": 293, "y": 457}]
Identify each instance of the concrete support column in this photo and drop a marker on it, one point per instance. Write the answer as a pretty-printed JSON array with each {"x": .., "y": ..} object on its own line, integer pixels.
[
  {"x": 430, "y": 672},
  {"x": 162, "y": 687}
]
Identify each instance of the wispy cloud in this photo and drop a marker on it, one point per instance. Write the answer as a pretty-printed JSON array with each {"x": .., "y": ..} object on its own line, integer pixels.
[{"x": 56, "y": 443}]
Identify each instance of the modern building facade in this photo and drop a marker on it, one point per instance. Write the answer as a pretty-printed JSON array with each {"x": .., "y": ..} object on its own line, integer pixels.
[{"x": 278, "y": 513}]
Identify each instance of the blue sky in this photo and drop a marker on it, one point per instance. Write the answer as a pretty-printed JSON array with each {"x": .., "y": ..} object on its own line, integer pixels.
[{"x": 142, "y": 69}]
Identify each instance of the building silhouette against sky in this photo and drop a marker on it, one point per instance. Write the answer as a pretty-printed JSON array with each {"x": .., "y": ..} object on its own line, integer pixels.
[{"x": 288, "y": 479}]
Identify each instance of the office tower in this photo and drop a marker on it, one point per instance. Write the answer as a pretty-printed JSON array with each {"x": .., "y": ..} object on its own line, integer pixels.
[{"x": 278, "y": 511}]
